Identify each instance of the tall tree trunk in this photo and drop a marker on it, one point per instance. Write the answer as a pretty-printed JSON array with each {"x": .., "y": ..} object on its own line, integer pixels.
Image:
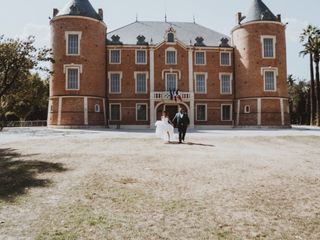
[
  {"x": 312, "y": 92},
  {"x": 318, "y": 92}
]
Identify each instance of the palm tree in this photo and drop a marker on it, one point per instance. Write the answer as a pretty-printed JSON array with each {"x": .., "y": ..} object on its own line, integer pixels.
[
  {"x": 316, "y": 59},
  {"x": 307, "y": 35}
]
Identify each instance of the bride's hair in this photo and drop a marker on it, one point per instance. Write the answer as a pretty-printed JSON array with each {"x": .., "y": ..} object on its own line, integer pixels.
[{"x": 165, "y": 113}]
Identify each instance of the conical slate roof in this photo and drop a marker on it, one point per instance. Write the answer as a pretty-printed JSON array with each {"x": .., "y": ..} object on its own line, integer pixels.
[
  {"x": 259, "y": 12},
  {"x": 79, "y": 8}
]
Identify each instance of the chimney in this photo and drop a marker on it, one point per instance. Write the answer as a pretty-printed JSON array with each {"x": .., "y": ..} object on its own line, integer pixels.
[
  {"x": 279, "y": 17},
  {"x": 55, "y": 12},
  {"x": 100, "y": 11},
  {"x": 238, "y": 18}
]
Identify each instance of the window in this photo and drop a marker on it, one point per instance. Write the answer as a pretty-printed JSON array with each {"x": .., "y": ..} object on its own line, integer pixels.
[
  {"x": 73, "y": 43},
  {"x": 225, "y": 83},
  {"x": 201, "y": 83},
  {"x": 201, "y": 112},
  {"x": 171, "y": 57},
  {"x": 171, "y": 81},
  {"x": 247, "y": 109},
  {"x": 97, "y": 108},
  {"x": 72, "y": 78},
  {"x": 225, "y": 59},
  {"x": 115, "y": 56},
  {"x": 268, "y": 48},
  {"x": 269, "y": 81},
  {"x": 141, "y": 82},
  {"x": 141, "y": 114},
  {"x": 170, "y": 37},
  {"x": 226, "y": 114},
  {"x": 115, "y": 82},
  {"x": 115, "y": 112},
  {"x": 141, "y": 57},
  {"x": 200, "y": 58}
]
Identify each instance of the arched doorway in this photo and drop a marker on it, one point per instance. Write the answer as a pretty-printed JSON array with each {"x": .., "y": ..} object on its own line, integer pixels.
[{"x": 171, "y": 108}]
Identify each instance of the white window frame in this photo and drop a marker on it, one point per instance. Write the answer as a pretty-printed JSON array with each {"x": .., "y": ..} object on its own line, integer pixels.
[
  {"x": 65, "y": 71},
  {"x": 195, "y": 58},
  {"x": 231, "y": 83},
  {"x": 171, "y": 49},
  {"x": 205, "y": 82},
  {"x": 231, "y": 113},
  {"x": 166, "y": 74},
  {"x": 97, "y": 108},
  {"x": 136, "y": 58},
  {"x": 114, "y": 49},
  {"x": 274, "y": 45},
  {"x": 270, "y": 69},
  {"x": 206, "y": 112},
  {"x": 136, "y": 80},
  {"x": 111, "y": 104},
  {"x": 225, "y": 65},
  {"x": 109, "y": 80},
  {"x": 67, "y": 33},
  {"x": 147, "y": 119},
  {"x": 247, "y": 107}
]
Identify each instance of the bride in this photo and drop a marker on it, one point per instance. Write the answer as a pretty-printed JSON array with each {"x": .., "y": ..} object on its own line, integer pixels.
[{"x": 164, "y": 128}]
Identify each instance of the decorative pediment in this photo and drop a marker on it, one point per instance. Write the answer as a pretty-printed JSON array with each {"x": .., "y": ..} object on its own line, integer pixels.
[
  {"x": 115, "y": 40},
  {"x": 142, "y": 40},
  {"x": 199, "y": 42},
  {"x": 74, "y": 9},
  {"x": 224, "y": 43}
]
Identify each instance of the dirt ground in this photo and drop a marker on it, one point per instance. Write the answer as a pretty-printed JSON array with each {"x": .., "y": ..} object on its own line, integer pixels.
[{"x": 227, "y": 184}]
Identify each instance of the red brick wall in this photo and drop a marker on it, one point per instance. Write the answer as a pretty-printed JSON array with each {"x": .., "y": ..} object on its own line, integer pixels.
[{"x": 92, "y": 58}]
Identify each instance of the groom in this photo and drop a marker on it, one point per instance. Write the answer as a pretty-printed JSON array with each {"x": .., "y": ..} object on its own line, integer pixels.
[{"x": 182, "y": 123}]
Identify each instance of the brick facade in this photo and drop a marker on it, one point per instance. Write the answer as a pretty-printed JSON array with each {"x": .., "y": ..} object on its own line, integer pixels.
[{"x": 90, "y": 105}]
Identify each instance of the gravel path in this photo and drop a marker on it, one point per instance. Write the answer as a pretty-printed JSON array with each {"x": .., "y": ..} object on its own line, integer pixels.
[{"x": 93, "y": 184}]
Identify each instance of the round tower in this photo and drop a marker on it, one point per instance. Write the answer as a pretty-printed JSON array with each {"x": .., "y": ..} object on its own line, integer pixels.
[
  {"x": 260, "y": 68},
  {"x": 78, "y": 85}
]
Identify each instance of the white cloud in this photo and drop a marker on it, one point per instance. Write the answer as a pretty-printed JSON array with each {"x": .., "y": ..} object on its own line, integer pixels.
[
  {"x": 294, "y": 28},
  {"x": 41, "y": 33}
]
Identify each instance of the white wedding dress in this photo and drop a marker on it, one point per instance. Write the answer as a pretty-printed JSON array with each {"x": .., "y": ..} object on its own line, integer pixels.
[{"x": 163, "y": 127}]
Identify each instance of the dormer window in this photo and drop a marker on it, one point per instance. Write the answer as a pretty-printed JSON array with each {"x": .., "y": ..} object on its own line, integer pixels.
[{"x": 170, "y": 37}]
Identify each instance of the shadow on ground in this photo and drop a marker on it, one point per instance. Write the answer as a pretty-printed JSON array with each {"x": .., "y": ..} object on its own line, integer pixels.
[{"x": 18, "y": 175}]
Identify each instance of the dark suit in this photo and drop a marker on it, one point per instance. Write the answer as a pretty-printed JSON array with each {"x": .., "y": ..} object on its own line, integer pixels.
[{"x": 182, "y": 121}]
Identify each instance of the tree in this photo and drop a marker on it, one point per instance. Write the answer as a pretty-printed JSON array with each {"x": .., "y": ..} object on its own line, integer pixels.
[
  {"x": 17, "y": 59},
  {"x": 299, "y": 92},
  {"x": 30, "y": 96},
  {"x": 307, "y": 37}
]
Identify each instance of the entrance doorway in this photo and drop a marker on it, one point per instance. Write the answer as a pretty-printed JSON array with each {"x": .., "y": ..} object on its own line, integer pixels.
[{"x": 171, "y": 110}]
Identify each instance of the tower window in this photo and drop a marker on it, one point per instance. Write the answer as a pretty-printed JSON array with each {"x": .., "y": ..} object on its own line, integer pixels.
[
  {"x": 225, "y": 59},
  {"x": 200, "y": 58},
  {"x": 73, "y": 43},
  {"x": 268, "y": 48},
  {"x": 97, "y": 108},
  {"x": 115, "y": 56},
  {"x": 141, "y": 57},
  {"x": 225, "y": 83},
  {"x": 226, "y": 112},
  {"x": 170, "y": 37},
  {"x": 171, "y": 57},
  {"x": 269, "y": 81},
  {"x": 247, "y": 109},
  {"x": 115, "y": 82}
]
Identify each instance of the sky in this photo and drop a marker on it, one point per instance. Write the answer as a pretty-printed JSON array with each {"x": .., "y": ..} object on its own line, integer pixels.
[{"x": 21, "y": 18}]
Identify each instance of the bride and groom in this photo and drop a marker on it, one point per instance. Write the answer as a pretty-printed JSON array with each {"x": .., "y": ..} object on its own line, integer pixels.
[{"x": 165, "y": 129}]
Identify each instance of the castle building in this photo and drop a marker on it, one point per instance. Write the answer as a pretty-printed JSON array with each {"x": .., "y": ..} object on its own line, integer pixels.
[{"x": 128, "y": 76}]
